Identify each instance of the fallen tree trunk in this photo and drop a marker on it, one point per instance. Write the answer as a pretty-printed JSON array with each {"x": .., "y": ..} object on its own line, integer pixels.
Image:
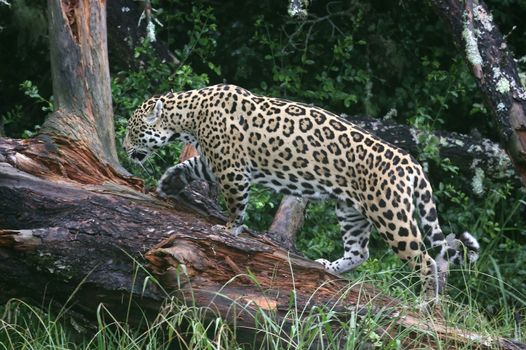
[{"x": 82, "y": 239}]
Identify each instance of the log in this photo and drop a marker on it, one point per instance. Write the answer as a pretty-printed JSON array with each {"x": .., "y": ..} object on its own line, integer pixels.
[
  {"x": 81, "y": 239},
  {"x": 465, "y": 151}
]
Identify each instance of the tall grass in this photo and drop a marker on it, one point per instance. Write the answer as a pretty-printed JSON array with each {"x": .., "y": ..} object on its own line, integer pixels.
[{"x": 187, "y": 326}]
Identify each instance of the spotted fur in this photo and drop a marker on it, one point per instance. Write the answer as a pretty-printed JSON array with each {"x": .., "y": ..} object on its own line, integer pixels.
[{"x": 305, "y": 151}]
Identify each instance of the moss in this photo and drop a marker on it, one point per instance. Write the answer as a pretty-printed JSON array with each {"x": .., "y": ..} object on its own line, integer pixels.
[
  {"x": 52, "y": 264},
  {"x": 503, "y": 85},
  {"x": 484, "y": 18},
  {"x": 150, "y": 31},
  {"x": 477, "y": 183},
  {"x": 472, "y": 50},
  {"x": 391, "y": 114},
  {"x": 298, "y": 8}
]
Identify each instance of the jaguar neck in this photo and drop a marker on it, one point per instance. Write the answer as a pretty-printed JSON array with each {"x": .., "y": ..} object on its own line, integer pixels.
[{"x": 184, "y": 110}]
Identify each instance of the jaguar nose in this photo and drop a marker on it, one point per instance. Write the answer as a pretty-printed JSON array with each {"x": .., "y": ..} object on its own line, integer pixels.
[{"x": 138, "y": 155}]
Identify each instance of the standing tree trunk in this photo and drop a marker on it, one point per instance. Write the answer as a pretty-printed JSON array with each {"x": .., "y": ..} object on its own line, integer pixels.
[{"x": 81, "y": 77}]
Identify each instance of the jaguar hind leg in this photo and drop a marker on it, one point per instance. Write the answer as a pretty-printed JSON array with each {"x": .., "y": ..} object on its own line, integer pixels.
[
  {"x": 406, "y": 241},
  {"x": 356, "y": 230}
]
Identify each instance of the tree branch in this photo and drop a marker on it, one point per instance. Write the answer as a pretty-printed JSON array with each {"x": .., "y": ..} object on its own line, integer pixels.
[
  {"x": 465, "y": 152},
  {"x": 494, "y": 69}
]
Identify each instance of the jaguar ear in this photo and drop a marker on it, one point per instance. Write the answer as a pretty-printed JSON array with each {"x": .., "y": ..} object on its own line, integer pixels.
[{"x": 154, "y": 116}]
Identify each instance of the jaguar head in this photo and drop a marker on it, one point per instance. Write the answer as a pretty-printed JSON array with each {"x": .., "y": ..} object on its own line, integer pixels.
[{"x": 144, "y": 134}]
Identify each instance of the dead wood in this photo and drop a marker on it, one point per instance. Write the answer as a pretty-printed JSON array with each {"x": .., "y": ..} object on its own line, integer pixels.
[
  {"x": 464, "y": 151},
  {"x": 81, "y": 77}
]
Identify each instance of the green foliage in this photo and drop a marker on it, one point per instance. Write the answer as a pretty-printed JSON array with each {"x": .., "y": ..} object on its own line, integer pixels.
[
  {"x": 261, "y": 208},
  {"x": 10, "y": 117},
  {"x": 32, "y": 92},
  {"x": 297, "y": 67},
  {"x": 190, "y": 29},
  {"x": 16, "y": 114},
  {"x": 320, "y": 236},
  {"x": 31, "y": 24},
  {"x": 24, "y": 55}
]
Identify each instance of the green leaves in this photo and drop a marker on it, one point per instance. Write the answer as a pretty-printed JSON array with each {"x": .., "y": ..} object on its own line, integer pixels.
[
  {"x": 31, "y": 91},
  {"x": 261, "y": 208},
  {"x": 320, "y": 236}
]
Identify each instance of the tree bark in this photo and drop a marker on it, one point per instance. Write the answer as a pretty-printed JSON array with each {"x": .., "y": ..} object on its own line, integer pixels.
[
  {"x": 81, "y": 240},
  {"x": 81, "y": 77},
  {"x": 288, "y": 220},
  {"x": 465, "y": 152},
  {"x": 494, "y": 69}
]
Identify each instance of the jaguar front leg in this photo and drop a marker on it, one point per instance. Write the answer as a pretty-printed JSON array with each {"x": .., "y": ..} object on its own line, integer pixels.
[
  {"x": 177, "y": 177},
  {"x": 235, "y": 187}
]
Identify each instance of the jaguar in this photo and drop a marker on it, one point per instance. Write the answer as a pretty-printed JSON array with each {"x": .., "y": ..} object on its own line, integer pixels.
[{"x": 302, "y": 150}]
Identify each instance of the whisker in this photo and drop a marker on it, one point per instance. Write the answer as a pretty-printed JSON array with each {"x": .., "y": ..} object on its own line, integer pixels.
[
  {"x": 145, "y": 170},
  {"x": 150, "y": 162},
  {"x": 161, "y": 157}
]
